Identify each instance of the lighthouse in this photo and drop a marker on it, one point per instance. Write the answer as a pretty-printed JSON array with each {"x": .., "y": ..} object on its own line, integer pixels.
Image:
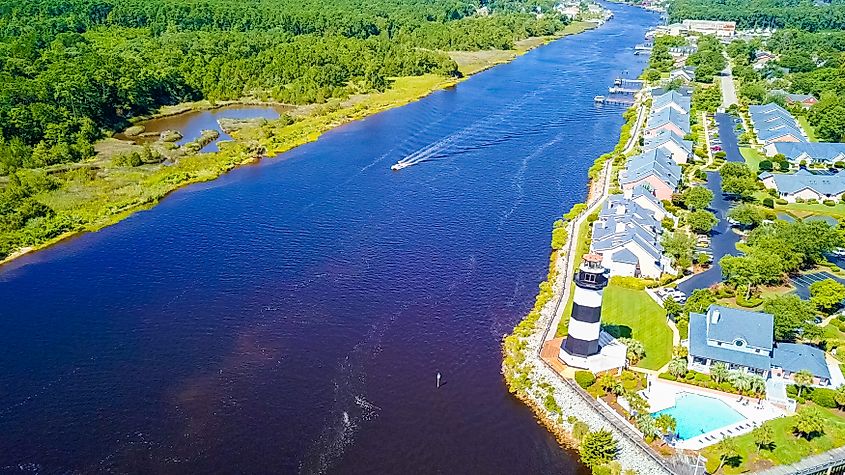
[{"x": 586, "y": 346}]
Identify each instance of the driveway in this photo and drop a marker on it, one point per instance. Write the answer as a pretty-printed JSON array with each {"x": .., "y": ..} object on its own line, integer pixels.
[
  {"x": 723, "y": 239},
  {"x": 728, "y": 88}
]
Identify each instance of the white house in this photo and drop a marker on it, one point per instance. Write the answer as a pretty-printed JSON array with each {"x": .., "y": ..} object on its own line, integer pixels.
[
  {"x": 805, "y": 185},
  {"x": 627, "y": 236},
  {"x": 679, "y": 149}
]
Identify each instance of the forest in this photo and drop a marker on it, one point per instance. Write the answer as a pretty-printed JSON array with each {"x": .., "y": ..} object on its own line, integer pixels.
[
  {"x": 799, "y": 14},
  {"x": 74, "y": 71}
]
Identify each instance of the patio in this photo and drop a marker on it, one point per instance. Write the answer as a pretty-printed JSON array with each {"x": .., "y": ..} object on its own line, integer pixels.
[{"x": 662, "y": 394}]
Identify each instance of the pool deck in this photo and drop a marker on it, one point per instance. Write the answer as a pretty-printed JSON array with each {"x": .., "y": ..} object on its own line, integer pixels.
[{"x": 661, "y": 394}]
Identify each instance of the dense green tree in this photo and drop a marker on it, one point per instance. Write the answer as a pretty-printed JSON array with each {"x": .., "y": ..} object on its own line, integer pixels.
[
  {"x": 827, "y": 295},
  {"x": 697, "y": 197},
  {"x": 701, "y": 221},
  {"x": 791, "y": 314},
  {"x": 747, "y": 214}
]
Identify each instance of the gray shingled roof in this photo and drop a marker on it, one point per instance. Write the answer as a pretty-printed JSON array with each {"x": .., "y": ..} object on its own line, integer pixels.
[
  {"x": 818, "y": 151},
  {"x": 772, "y": 121},
  {"x": 795, "y": 357},
  {"x": 804, "y": 179},
  {"x": 756, "y": 328},
  {"x": 698, "y": 347},
  {"x": 665, "y": 136},
  {"x": 669, "y": 98},
  {"x": 625, "y": 256},
  {"x": 666, "y": 116},
  {"x": 657, "y": 161}
]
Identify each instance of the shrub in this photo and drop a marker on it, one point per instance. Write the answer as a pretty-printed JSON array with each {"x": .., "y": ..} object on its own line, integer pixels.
[
  {"x": 667, "y": 376},
  {"x": 585, "y": 379},
  {"x": 768, "y": 202},
  {"x": 839, "y": 165},
  {"x": 823, "y": 397},
  {"x": 690, "y": 375},
  {"x": 800, "y": 200},
  {"x": 829, "y": 202},
  {"x": 813, "y": 201},
  {"x": 579, "y": 430},
  {"x": 726, "y": 387},
  {"x": 702, "y": 378},
  {"x": 766, "y": 166},
  {"x": 628, "y": 282},
  {"x": 782, "y": 201}
]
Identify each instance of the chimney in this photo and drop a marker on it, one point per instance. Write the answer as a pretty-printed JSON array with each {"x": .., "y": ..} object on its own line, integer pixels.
[{"x": 714, "y": 316}]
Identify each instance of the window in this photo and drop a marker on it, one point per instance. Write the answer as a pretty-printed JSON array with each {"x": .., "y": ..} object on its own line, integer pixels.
[
  {"x": 739, "y": 342},
  {"x": 589, "y": 277}
]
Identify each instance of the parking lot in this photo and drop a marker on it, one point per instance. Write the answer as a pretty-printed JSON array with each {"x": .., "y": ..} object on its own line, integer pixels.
[{"x": 802, "y": 283}]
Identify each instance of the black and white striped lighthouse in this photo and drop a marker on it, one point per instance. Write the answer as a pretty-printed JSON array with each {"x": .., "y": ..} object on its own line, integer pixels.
[{"x": 585, "y": 321}]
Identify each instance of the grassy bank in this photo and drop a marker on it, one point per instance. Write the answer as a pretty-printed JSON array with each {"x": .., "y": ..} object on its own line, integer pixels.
[
  {"x": 99, "y": 193},
  {"x": 786, "y": 448},
  {"x": 471, "y": 62}
]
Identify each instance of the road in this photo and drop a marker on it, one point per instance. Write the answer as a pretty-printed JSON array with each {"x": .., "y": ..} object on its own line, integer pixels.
[
  {"x": 723, "y": 240},
  {"x": 728, "y": 88}
]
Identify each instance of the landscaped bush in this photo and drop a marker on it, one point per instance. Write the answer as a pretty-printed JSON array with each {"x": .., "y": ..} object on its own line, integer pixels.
[
  {"x": 782, "y": 201},
  {"x": 690, "y": 375},
  {"x": 829, "y": 203},
  {"x": 813, "y": 201},
  {"x": 800, "y": 200},
  {"x": 579, "y": 430},
  {"x": 701, "y": 377},
  {"x": 667, "y": 376},
  {"x": 823, "y": 397},
  {"x": 839, "y": 165},
  {"x": 768, "y": 202},
  {"x": 766, "y": 166},
  {"x": 726, "y": 387},
  {"x": 585, "y": 379},
  {"x": 747, "y": 303},
  {"x": 627, "y": 282}
]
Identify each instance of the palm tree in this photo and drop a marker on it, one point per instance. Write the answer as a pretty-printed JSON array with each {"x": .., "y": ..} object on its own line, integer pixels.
[
  {"x": 740, "y": 380},
  {"x": 758, "y": 384},
  {"x": 808, "y": 423},
  {"x": 727, "y": 449},
  {"x": 719, "y": 372},
  {"x": 666, "y": 423},
  {"x": 803, "y": 379},
  {"x": 678, "y": 367},
  {"x": 609, "y": 384},
  {"x": 764, "y": 437}
]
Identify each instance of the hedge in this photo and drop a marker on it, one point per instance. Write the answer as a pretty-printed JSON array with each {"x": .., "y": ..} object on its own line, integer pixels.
[{"x": 585, "y": 379}]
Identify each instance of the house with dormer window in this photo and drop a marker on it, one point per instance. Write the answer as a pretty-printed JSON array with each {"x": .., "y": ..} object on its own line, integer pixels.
[{"x": 744, "y": 341}]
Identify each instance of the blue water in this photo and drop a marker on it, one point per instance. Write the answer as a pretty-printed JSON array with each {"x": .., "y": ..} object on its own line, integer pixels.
[
  {"x": 291, "y": 316},
  {"x": 696, "y": 415}
]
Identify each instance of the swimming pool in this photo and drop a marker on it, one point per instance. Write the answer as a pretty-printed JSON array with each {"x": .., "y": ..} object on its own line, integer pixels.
[{"x": 696, "y": 414}]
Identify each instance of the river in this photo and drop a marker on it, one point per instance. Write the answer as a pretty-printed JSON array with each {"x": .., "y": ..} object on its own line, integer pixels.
[{"x": 291, "y": 316}]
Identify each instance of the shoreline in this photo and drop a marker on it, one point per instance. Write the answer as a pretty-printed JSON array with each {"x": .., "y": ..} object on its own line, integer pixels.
[
  {"x": 555, "y": 403},
  {"x": 287, "y": 137}
]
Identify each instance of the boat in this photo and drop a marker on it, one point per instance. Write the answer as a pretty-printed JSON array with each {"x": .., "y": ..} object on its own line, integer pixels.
[
  {"x": 400, "y": 165},
  {"x": 599, "y": 98}
]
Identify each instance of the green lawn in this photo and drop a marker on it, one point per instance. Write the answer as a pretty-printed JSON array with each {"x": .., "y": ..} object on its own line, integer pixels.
[
  {"x": 811, "y": 132},
  {"x": 802, "y": 210},
  {"x": 788, "y": 447},
  {"x": 632, "y": 313},
  {"x": 752, "y": 157}
]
